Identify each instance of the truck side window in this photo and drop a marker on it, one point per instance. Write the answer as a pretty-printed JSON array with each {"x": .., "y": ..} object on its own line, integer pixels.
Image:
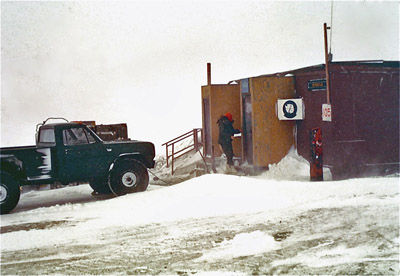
[
  {"x": 74, "y": 136},
  {"x": 90, "y": 137},
  {"x": 47, "y": 136}
]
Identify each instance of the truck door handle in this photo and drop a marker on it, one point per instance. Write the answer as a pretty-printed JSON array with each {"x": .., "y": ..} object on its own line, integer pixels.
[
  {"x": 76, "y": 153},
  {"x": 109, "y": 150},
  {"x": 68, "y": 151}
]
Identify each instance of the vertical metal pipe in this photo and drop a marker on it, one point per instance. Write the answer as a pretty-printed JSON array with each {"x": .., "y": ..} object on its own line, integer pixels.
[
  {"x": 208, "y": 73},
  {"x": 195, "y": 140},
  {"x": 326, "y": 65},
  {"x": 166, "y": 153},
  {"x": 172, "y": 160},
  {"x": 203, "y": 143}
]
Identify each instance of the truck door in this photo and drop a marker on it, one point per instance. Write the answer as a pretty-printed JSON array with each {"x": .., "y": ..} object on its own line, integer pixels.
[{"x": 81, "y": 157}]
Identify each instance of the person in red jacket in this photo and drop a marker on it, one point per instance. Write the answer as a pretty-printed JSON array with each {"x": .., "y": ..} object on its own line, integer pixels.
[{"x": 226, "y": 132}]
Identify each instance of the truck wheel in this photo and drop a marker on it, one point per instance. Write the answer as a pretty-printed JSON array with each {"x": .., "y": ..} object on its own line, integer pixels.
[
  {"x": 128, "y": 177},
  {"x": 9, "y": 193},
  {"x": 100, "y": 186}
]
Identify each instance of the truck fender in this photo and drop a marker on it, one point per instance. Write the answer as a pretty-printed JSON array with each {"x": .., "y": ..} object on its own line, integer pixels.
[{"x": 124, "y": 156}]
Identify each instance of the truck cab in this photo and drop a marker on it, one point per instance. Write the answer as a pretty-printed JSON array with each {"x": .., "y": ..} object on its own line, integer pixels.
[{"x": 76, "y": 154}]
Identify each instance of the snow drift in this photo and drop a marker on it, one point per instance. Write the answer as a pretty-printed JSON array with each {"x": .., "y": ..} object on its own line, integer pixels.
[{"x": 201, "y": 225}]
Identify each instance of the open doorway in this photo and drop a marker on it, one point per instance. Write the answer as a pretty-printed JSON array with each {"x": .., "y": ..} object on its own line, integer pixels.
[{"x": 247, "y": 111}]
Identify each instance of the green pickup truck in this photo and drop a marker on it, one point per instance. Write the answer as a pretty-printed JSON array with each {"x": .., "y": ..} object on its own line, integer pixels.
[{"x": 72, "y": 153}]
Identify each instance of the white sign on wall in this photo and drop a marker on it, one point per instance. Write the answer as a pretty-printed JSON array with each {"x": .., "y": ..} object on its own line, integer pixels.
[
  {"x": 290, "y": 109},
  {"x": 326, "y": 112}
]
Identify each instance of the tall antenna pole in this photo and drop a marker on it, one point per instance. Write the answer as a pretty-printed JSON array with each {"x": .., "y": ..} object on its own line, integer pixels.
[
  {"x": 326, "y": 64},
  {"x": 330, "y": 40}
]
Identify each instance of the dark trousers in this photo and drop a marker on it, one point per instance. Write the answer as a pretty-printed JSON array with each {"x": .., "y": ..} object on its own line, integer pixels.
[{"x": 228, "y": 150}]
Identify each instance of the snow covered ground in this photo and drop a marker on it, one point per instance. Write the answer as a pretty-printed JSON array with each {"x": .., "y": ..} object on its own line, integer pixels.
[{"x": 276, "y": 223}]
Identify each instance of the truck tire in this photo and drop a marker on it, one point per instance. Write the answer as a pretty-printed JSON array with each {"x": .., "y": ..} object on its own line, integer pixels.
[
  {"x": 100, "y": 186},
  {"x": 128, "y": 176},
  {"x": 9, "y": 193}
]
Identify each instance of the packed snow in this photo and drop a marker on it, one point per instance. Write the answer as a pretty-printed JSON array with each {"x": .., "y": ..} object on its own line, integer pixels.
[{"x": 216, "y": 224}]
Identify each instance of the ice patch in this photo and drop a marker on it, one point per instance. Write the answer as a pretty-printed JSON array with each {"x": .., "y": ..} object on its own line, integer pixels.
[
  {"x": 244, "y": 244},
  {"x": 335, "y": 256},
  {"x": 219, "y": 273}
]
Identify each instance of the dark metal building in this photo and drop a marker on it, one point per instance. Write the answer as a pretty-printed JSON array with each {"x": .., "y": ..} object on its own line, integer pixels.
[{"x": 362, "y": 138}]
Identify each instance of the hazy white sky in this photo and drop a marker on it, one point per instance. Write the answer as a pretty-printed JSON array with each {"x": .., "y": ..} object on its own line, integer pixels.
[{"x": 144, "y": 62}]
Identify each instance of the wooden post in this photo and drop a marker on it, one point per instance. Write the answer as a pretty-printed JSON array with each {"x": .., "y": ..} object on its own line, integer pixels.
[{"x": 208, "y": 73}]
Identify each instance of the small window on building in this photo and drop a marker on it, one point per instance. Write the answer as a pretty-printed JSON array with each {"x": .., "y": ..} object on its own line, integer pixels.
[{"x": 74, "y": 136}]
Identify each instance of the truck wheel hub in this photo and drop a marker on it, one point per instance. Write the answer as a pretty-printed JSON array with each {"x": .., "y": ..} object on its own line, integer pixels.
[
  {"x": 3, "y": 193},
  {"x": 129, "y": 179}
]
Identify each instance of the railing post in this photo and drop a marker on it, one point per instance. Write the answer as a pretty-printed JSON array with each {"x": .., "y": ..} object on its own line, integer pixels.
[
  {"x": 166, "y": 149},
  {"x": 203, "y": 141},
  {"x": 195, "y": 140},
  {"x": 172, "y": 160}
]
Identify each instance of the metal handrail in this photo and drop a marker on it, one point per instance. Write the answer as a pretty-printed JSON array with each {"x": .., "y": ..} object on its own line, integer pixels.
[{"x": 174, "y": 154}]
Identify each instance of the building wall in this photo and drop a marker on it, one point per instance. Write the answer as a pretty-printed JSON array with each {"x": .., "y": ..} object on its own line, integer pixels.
[
  {"x": 361, "y": 140},
  {"x": 363, "y": 137},
  {"x": 222, "y": 99},
  {"x": 313, "y": 101},
  {"x": 272, "y": 138}
]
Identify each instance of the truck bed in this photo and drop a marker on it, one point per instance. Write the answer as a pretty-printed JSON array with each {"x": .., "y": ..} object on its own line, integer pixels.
[{"x": 36, "y": 162}]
